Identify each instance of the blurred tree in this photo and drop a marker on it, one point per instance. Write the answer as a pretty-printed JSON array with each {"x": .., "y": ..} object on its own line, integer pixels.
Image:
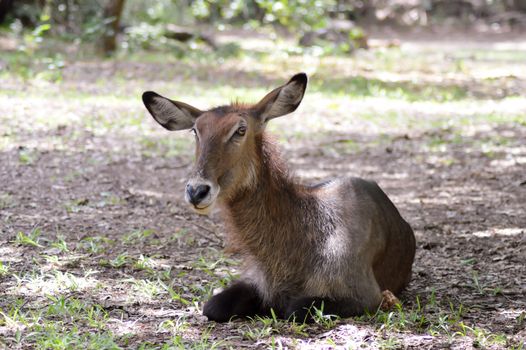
[
  {"x": 5, "y": 7},
  {"x": 519, "y": 5},
  {"x": 112, "y": 15},
  {"x": 27, "y": 11},
  {"x": 291, "y": 14},
  {"x": 147, "y": 24}
]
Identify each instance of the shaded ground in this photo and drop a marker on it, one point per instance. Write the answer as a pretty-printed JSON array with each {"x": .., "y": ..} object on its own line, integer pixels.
[{"x": 98, "y": 250}]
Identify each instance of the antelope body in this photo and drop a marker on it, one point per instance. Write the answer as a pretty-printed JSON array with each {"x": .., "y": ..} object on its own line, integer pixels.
[{"x": 335, "y": 246}]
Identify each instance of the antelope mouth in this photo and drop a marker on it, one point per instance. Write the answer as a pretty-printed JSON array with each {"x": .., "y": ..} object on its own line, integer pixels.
[{"x": 203, "y": 210}]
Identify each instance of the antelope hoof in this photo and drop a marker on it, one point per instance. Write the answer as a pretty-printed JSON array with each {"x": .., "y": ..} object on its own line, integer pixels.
[{"x": 389, "y": 300}]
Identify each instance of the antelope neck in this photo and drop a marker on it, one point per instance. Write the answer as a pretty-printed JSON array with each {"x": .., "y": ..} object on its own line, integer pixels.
[{"x": 266, "y": 210}]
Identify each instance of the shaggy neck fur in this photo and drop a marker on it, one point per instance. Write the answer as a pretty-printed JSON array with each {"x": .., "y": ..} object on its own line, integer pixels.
[{"x": 272, "y": 220}]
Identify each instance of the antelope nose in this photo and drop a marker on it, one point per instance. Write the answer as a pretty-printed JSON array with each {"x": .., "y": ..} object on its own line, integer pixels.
[{"x": 197, "y": 194}]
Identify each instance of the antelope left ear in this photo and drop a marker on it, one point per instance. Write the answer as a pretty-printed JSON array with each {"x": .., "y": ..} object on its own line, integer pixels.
[
  {"x": 283, "y": 100},
  {"x": 172, "y": 115}
]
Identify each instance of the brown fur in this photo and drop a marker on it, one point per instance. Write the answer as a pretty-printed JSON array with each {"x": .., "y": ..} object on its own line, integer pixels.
[{"x": 335, "y": 245}]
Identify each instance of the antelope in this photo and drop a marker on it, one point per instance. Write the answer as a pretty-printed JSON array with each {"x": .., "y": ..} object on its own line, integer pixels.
[{"x": 333, "y": 246}]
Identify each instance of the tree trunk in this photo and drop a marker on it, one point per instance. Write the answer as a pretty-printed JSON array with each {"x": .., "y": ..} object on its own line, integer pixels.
[
  {"x": 5, "y": 7},
  {"x": 113, "y": 13}
]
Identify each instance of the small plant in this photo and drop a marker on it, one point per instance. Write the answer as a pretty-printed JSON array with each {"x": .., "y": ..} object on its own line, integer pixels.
[
  {"x": 256, "y": 332},
  {"x": 52, "y": 259},
  {"x": 476, "y": 283},
  {"x": 208, "y": 266},
  {"x": 76, "y": 205},
  {"x": 482, "y": 288},
  {"x": 4, "y": 269},
  {"x": 390, "y": 343},
  {"x": 483, "y": 338},
  {"x": 27, "y": 157},
  {"x": 173, "y": 294},
  {"x": 96, "y": 316},
  {"x": 60, "y": 244},
  {"x": 145, "y": 263},
  {"x": 137, "y": 236},
  {"x": 206, "y": 291},
  {"x": 166, "y": 274},
  {"x": 31, "y": 240},
  {"x": 299, "y": 328},
  {"x": 119, "y": 261},
  {"x": 263, "y": 327},
  {"x": 148, "y": 289},
  {"x": 325, "y": 320},
  {"x": 174, "y": 326},
  {"x": 470, "y": 261},
  {"x": 95, "y": 245},
  {"x": 521, "y": 318}
]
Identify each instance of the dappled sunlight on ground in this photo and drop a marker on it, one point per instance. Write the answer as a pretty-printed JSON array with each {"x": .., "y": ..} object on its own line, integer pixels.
[
  {"x": 509, "y": 231},
  {"x": 96, "y": 239}
]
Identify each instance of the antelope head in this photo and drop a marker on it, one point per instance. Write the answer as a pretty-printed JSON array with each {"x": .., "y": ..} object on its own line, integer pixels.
[{"x": 226, "y": 139}]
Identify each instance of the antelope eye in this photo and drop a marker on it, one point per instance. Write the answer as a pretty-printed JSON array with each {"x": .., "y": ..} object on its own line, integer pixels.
[
  {"x": 193, "y": 131},
  {"x": 241, "y": 130}
]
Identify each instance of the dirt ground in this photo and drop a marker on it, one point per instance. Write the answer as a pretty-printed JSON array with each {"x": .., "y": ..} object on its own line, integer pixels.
[{"x": 92, "y": 217}]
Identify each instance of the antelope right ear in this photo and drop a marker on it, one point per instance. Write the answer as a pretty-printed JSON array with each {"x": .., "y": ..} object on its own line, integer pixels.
[
  {"x": 284, "y": 99},
  {"x": 172, "y": 115}
]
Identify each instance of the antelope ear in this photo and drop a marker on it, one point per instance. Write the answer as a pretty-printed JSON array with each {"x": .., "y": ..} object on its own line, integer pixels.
[
  {"x": 172, "y": 115},
  {"x": 283, "y": 100}
]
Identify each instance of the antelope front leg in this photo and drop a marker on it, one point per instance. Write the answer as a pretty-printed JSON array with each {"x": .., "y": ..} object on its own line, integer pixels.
[{"x": 239, "y": 300}]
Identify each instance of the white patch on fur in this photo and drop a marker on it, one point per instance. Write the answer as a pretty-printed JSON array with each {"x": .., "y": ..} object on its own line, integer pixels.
[
  {"x": 251, "y": 178},
  {"x": 255, "y": 275},
  {"x": 336, "y": 246},
  {"x": 330, "y": 277}
]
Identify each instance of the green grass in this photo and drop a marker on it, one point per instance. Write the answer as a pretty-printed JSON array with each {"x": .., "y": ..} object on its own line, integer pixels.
[
  {"x": 56, "y": 325},
  {"x": 497, "y": 56},
  {"x": 95, "y": 244},
  {"x": 434, "y": 319},
  {"x": 32, "y": 239},
  {"x": 359, "y": 86},
  {"x": 4, "y": 268},
  {"x": 62, "y": 320}
]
